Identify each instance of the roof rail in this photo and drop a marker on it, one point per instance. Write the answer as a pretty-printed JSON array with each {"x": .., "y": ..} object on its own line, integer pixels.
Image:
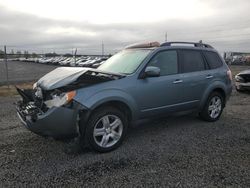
[{"x": 196, "y": 44}]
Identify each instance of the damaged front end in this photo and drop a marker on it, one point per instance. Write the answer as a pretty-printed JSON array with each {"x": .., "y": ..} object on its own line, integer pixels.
[
  {"x": 55, "y": 118},
  {"x": 49, "y": 109}
]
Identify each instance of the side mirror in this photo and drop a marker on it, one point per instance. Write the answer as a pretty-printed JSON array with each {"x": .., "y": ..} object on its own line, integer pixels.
[{"x": 152, "y": 71}]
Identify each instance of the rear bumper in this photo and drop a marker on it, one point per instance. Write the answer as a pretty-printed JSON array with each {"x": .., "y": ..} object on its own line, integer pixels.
[{"x": 56, "y": 122}]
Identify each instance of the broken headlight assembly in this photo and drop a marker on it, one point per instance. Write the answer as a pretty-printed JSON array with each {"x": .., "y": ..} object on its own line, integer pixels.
[
  {"x": 61, "y": 99},
  {"x": 37, "y": 91},
  {"x": 35, "y": 85},
  {"x": 239, "y": 78}
]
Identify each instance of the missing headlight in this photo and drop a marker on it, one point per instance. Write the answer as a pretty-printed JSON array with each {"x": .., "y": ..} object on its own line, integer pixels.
[{"x": 39, "y": 93}]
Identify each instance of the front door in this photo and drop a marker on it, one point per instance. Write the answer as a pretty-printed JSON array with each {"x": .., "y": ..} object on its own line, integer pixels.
[{"x": 161, "y": 94}]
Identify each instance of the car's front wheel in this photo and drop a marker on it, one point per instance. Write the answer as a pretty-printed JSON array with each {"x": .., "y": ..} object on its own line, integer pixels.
[
  {"x": 106, "y": 129},
  {"x": 213, "y": 107}
]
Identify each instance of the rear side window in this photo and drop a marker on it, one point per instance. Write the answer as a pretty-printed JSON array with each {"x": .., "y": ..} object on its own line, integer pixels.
[
  {"x": 213, "y": 59},
  {"x": 191, "y": 61},
  {"x": 166, "y": 61}
]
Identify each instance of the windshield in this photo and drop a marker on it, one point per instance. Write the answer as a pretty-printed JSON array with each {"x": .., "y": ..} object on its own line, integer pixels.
[{"x": 125, "y": 62}]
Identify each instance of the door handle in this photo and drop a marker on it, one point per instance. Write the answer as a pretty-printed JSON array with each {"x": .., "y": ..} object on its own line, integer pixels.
[
  {"x": 209, "y": 76},
  {"x": 177, "y": 81}
]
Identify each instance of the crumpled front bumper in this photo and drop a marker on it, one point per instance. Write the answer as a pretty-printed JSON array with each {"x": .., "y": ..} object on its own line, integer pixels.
[
  {"x": 242, "y": 86},
  {"x": 55, "y": 122}
]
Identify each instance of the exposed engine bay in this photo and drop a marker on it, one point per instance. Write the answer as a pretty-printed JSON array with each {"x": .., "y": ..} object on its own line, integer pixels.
[{"x": 57, "y": 89}]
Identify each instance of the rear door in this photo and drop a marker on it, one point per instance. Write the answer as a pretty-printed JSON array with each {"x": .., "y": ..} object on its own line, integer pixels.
[{"x": 194, "y": 74}]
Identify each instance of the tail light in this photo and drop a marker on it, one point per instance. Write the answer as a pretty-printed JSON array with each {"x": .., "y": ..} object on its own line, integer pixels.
[{"x": 229, "y": 74}]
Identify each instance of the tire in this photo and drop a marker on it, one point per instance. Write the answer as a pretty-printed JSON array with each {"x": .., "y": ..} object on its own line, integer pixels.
[
  {"x": 105, "y": 129},
  {"x": 213, "y": 108}
]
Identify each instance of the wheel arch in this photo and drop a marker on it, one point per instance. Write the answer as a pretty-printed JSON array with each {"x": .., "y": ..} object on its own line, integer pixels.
[
  {"x": 215, "y": 88},
  {"x": 120, "y": 105},
  {"x": 222, "y": 92}
]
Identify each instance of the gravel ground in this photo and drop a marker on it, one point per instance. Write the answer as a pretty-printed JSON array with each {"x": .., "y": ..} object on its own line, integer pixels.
[
  {"x": 172, "y": 152},
  {"x": 23, "y": 71}
]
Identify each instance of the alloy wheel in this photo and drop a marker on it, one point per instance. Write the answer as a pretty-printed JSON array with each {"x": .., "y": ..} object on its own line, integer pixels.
[
  {"x": 108, "y": 131},
  {"x": 215, "y": 106}
]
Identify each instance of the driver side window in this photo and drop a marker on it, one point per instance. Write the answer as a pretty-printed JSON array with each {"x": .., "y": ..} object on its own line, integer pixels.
[{"x": 166, "y": 61}]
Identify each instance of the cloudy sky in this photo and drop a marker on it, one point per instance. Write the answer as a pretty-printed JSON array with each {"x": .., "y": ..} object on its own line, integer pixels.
[{"x": 60, "y": 26}]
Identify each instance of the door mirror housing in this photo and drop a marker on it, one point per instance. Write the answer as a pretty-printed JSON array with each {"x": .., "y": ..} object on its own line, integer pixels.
[{"x": 152, "y": 71}]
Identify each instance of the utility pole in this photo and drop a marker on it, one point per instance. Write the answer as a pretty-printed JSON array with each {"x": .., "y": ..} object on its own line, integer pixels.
[
  {"x": 102, "y": 48},
  {"x": 166, "y": 36},
  {"x": 75, "y": 56},
  {"x": 6, "y": 67}
]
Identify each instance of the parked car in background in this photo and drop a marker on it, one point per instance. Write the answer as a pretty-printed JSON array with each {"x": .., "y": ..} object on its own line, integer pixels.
[
  {"x": 242, "y": 81},
  {"x": 238, "y": 60},
  {"x": 66, "y": 61},
  {"x": 142, "y": 81},
  {"x": 56, "y": 60},
  {"x": 81, "y": 60},
  {"x": 43, "y": 60},
  {"x": 95, "y": 65}
]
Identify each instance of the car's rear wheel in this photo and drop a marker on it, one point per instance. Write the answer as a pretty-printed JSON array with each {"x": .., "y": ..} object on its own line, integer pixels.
[
  {"x": 213, "y": 107},
  {"x": 106, "y": 129}
]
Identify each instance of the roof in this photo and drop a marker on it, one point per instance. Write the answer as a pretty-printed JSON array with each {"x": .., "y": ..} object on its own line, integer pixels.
[{"x": 156, "y": 44}]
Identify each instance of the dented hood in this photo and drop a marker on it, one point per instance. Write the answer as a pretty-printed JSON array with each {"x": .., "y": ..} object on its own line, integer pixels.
[
  {"x": 244, "y": 72},
  {"x": 66, "y": 75}
]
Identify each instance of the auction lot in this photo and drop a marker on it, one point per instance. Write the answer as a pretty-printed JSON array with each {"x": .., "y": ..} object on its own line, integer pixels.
[{"x": 174, "y": 152}]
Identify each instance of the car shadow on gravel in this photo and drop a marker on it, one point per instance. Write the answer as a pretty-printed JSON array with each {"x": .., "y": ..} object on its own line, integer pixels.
[{"x": 138, "y": 129}]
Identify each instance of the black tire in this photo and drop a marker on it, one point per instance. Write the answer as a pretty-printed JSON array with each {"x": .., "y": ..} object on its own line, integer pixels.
[
  {"x": 205, "y": 113},
  {"x": 95, "y": 118}
]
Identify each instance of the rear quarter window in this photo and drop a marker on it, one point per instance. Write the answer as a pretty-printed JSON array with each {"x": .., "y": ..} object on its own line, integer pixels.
[{"x": 213, "y": 59}]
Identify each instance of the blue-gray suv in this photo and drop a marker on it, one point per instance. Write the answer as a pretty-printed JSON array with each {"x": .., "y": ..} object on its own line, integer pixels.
[{"x": 141, "y": 81}]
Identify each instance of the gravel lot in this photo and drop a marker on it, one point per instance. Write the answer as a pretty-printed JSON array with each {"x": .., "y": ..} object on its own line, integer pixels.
[
  {"x": 173, "y": 152},
  {"x": 23, "y": 71}
]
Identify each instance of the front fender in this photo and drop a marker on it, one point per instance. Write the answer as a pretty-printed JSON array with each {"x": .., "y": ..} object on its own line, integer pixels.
[{"x": 109, "y": 95}]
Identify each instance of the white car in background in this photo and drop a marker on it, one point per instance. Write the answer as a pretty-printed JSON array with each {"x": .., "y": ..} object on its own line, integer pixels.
[{"x": 66, "y": 61}]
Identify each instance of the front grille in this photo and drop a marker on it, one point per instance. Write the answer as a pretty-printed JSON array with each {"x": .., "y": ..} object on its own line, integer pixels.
[
  {"x": 246, "y": 77},
  {"x": 29, "y": 109}
]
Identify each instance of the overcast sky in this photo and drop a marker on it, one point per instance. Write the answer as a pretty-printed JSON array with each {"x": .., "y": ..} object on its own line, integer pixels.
[{"x": 56, "y": 25}]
